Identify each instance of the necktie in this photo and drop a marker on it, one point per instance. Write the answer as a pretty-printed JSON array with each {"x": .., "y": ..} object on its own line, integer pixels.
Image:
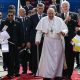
[
  {"x": 23, "y": 19},
  {"x": 23, "y": 22},
  {"x": 65, "y": 15},
  {"x": 39, "y": 17}
]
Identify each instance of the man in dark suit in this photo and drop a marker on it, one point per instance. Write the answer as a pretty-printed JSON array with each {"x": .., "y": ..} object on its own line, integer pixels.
[
  {"x": 57, "y": 4},
  {"x": 14, "y": 44},
  {"x": 24, "y": 54},
  {"x": 35, "y": 2},
  {"x": 45, "y": 2},
  {"x": 23, "y": 2},
  {"x": 70, "y": 19},
  {"x": 34, "y": 19},
  {"x": 28, "y": 6}
]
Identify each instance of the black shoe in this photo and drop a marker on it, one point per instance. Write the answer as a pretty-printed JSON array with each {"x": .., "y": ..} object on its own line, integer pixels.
[
  {"x": 76, "y": 67},
  {"x": 5, "y": 69},
  {"x": 32, "y": 74},
  {"x": 0, "y": 77},
  {"x": 58, "y": 78},
  {"x": 64, "y": 78},
  {"x": 69, "y": 78},
  {"x": 17, "y": 75},
  {"x": 47, "y": 79},
  {"x": 24, "y": 72},
  {"x": 9, "y": 76}
]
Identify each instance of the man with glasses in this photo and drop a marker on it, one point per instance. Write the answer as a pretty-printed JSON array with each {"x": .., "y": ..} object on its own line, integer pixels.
[{"x": 14, "y": 42}]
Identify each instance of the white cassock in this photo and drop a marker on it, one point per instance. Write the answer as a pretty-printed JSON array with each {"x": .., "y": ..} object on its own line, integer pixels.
[{"x": 52, "y": 57}]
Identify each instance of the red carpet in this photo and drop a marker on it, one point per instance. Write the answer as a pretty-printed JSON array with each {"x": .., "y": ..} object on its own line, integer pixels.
[
  {"x": 75, "y": 76},
  {"x": 23, "y": 76}
]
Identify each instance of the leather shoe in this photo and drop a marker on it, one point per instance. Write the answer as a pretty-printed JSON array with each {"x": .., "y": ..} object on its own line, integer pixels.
[
  {"x": 9, "y": 76},
  {"x": 17, "y": 75},
  {"x": 24, "y": 72}
]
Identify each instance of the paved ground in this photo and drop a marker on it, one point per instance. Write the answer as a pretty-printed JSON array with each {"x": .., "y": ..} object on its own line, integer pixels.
[{"x": 2, "y": 72}]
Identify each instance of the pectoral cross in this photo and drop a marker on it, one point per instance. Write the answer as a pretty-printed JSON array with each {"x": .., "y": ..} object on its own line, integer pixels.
[{"x": 51, "y": 30}]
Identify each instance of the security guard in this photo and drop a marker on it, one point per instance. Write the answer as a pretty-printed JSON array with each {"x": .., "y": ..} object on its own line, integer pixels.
[{"x": 14, "y": 31}]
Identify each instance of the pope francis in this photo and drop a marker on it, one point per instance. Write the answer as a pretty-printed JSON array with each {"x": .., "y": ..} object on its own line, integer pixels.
[{"x": 52, "y": 57}]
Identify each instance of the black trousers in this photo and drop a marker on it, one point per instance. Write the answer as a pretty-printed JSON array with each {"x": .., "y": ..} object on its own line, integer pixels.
[
  {"x": 23, "y": 59},
  {"x": 69, "y": 55},
  {"x": 40, "y": 46},
  {"x": 33, "y": 56},
  {"x": 33, "y": 59},
  {"x": 13, "y": 60},
  {"x": 77, "y": 58},
  {"x": 5, "y": 59}
]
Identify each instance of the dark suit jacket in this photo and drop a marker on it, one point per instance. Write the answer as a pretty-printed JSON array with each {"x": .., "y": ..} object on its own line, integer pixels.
[
  {"x": 28, "y": 8},
  {"x": 14, "y": 30},
  {"x": 1, "y": 23},
  {"x": 71, "y": 24},
  {"x": 36, "y": 2},
  {"x": 24, "y": 29},
  {"x": 23, "y": 2},
  {"x": 32, "y": 27}
]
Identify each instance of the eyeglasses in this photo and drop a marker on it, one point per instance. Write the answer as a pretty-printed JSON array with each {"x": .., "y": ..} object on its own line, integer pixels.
[{"x": 10, "y": 15}]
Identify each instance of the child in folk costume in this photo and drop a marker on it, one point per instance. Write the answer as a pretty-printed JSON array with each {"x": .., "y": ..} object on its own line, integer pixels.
[{"x": 76, "y": 46}]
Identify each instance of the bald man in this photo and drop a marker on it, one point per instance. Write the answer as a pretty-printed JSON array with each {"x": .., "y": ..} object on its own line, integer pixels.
[
  {"x": 52, "y": 58},
  {"x": 24, "y": 55}
]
